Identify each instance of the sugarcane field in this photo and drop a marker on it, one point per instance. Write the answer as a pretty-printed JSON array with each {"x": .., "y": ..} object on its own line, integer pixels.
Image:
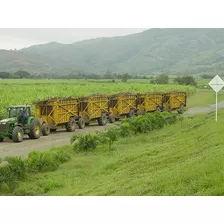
[{"x": 133, "y": 131}]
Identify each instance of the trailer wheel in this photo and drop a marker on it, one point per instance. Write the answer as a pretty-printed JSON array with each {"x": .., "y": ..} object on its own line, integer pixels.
[
  {"x": 1, "y": 139},
  {"x": 45, "y": 129},
  {"x": 17, "y": 134},
  {"x": 139, "y": 113},
  {"x": 131, "y": 114},
  {"x": 102, "y": 120},
  {"x": 81, "y": 123},
  {"x": 181, "y": 109},
  {"x": 70, "y": 126},
  {"x": 111, "y": 118},
  {"x": 35, "y": 129}
]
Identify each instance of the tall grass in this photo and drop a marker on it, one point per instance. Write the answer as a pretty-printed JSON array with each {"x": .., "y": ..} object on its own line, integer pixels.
[{"x": 17, "y": 168}]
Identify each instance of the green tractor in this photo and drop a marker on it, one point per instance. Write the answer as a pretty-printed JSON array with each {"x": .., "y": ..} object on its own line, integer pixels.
[{"x": 19, "y": 121}]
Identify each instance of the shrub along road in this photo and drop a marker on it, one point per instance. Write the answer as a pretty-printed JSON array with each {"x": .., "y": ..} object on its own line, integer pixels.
[{"x": 61, "y": 137}]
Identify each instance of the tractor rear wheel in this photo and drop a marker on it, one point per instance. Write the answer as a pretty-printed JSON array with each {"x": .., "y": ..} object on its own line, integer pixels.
[
  {"x": 81, "y": 123},
  {"x": 17, "y": 134},
  {"x": 1, "y": 139},
  {"x": 102, "y": 120},
  {"x": 70, "y": 126},
  {"x": 111, "y": 118},
  {"x": 45, "y": 129},
  {"x": 34, "y": 129},
  {"x": 131, "y": 114}
]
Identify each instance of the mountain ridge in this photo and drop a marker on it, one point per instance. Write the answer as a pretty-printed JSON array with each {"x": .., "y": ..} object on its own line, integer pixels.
[{"x": 151, "y": 52}]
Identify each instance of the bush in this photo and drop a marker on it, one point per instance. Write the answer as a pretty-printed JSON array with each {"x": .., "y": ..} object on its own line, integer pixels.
[
  {"x": 125, "y": 128},
  {"x": 74, "y": 138},
  {"x": 17, "y": 166},
  {"x": 186, "y": 80},
  {"x": 162, "y": 79},
  {"x": 61, "y": 156},
  {"x": 7, "y": 178},
  {"x": 13, "y": 169},
  {"x": 110, "y": 136},
  {"x": 140, "y": 124},
  {"x": 169, "y": 117},
  {"x": 146, "y": 123},
  {"x": 44, "y": 161},
  {"x": 84, "y": 142}
]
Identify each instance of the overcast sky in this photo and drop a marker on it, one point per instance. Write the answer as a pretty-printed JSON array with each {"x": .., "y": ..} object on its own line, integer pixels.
[{"x": 20, "y": 38}]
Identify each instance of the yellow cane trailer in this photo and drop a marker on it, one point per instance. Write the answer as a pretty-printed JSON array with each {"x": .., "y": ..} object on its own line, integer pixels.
[
  {"x": 149, "y": 102},
  {"x": 123, "y": 104},
  {"x": 94, "y": 108},
  {"x": 174, "y": 101},
  {"x": 56, "y": 113}
]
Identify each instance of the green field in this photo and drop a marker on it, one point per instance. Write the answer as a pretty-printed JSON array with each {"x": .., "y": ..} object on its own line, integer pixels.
[
  {"x": 201, "y": 98},
  {"x": 182, "y": 159},
  {"x": 27, "y": 91}
]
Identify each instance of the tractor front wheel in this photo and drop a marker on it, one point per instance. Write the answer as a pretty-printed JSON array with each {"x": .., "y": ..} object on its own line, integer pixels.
[
  {"x": 34, "y": 129},
  {"x": 45, "y": 129},
  {"x": 17, "y": 134}
]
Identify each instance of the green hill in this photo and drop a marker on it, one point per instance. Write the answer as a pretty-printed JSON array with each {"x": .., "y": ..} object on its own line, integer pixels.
[
  {"x": 182, "y": 159},
  {"x": 154, "y": 51}
]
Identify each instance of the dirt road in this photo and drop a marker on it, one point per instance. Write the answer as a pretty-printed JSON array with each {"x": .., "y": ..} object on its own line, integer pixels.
[
  {"x": 203, "y": 109},
  {"x": 61, "y": 137},
  {"x": 58, "y": 138}
]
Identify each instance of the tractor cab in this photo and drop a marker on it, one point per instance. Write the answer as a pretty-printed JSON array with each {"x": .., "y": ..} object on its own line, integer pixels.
[{"x": 19, "y": 112}]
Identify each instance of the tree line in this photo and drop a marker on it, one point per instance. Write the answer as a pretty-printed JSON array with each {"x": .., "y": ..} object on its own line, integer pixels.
[
  {"x": 26, "y": 75},
  {"x": 16, "y": 75},
  {"x": 159, "y": 79},
  {"x": 187, "y": 80}
]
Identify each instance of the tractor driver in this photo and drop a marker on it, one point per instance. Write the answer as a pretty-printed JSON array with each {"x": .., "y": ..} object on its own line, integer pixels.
[{"x": 22, "y": 116}]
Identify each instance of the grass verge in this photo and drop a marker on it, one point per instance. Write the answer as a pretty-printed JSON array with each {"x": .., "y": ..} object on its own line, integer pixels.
[
  {"x": 185, "y": 158},
  {"x": 203, "y": 98}
]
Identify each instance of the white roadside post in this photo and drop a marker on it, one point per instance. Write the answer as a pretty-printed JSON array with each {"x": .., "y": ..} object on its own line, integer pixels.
[{"x": 216, "y": 84}]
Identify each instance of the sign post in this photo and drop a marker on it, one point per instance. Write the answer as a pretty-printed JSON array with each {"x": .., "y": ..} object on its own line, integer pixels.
[
  {"x": 216, "y": 112},
  {"x": 216, "y": 84}
]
